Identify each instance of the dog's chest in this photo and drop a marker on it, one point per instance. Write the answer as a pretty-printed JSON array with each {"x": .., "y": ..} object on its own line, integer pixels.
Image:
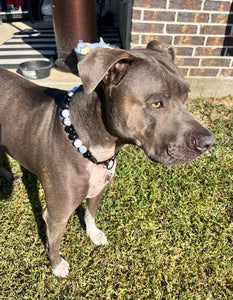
[{"x": 99, "y": 178}]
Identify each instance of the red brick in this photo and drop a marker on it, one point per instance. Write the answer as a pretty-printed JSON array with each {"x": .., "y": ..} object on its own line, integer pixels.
[
  {"x": 208, "y": 51},
  {"x": 184, "y": 4},
  {"x": 136, "y": 14},
  {"x": 189, "y": 40},
  {"x": 217, "y": 5},
  {"x": 219, "y": 18},
  {"x": 159, "y": 16},
  {"x": 184, "y": 51},
  {"x": 203, "y": 72},
  {"x": 219, "y": 41},
  {"x": 187, "y": 29},
  {"x": 227, "y": 72},
  {"x": 214, "y": 30},
  {"x": 164, "y": 38},
  {"x": 147, "y": 27},
  {"x": 150, "y": 3},
  {"x": 183, "y": 61},
  {"x": 216, "y": 62},
  {"x": 135, "y": 38},
  {"x": 193, "y": 17}
]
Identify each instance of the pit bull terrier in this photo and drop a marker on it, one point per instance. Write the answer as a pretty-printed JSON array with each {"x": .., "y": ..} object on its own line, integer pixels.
[{"x": 70, "y": 142}]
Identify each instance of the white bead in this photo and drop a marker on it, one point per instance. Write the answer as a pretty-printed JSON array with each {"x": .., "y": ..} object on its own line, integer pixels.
[
  {"x": 65, "y": 113},
  {"x": 82, "y": 149},
  {"x": 70, "y": 94},
  {"x": 77, "y": 143},
  {"x": 67, "y": 121}
]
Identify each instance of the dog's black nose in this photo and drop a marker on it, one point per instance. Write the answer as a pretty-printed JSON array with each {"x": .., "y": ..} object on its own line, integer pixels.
[{"x": 203, "y": 142}]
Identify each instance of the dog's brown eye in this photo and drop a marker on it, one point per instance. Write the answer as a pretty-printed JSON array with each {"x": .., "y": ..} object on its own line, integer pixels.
[{"x": 157, "y": 104}]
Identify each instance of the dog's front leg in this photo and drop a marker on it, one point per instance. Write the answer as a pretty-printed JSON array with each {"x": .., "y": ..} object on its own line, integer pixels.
[
  {"x": 55, "y": 230},
  {"x": 96, "y": 235}
]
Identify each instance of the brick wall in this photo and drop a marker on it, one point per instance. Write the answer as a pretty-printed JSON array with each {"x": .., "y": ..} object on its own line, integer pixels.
[{"x": 201, "y": 32}]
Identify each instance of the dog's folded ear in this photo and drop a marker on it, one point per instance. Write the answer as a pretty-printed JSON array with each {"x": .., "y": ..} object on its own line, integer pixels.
[
  {"x": 162, "y": 47},
  {"x": 109, "y": 65}
]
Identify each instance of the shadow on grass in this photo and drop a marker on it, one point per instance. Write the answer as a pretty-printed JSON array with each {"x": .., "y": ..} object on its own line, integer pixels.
[
  {"x": 6, "y": 187},
  {"x": 30, "y": 183},
  {"x": 80, "y": 212}
]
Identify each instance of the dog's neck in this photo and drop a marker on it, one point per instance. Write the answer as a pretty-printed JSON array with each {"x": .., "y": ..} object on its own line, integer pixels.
[{"x": 86, "y": 117}]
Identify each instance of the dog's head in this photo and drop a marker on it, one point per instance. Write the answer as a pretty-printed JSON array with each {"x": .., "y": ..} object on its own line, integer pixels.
[{"x": 145, "y": 102}]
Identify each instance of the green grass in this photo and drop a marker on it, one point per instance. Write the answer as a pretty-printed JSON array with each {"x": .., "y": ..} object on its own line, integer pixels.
[{"x": 169, "y": 229}]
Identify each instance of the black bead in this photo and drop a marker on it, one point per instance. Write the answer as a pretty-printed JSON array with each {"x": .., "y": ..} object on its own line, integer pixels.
[
  {"x": 87, "y": 154},
  {"x": 65, "y": 105},
  {"x": 73, "y": 136},
  {"x": 69, "y": 129}
]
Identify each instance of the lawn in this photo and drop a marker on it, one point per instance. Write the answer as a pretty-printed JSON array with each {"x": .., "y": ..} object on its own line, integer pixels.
[{"x": 169, "y": 229}]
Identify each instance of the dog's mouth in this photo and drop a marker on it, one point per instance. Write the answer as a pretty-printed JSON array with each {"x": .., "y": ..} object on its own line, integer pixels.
[
  {"x": 174, "y": 156},
  {"x": 172, "y": 161}
]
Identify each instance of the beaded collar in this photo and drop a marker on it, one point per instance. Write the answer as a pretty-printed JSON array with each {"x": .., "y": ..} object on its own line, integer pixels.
[{"x": 77, "y": 143}]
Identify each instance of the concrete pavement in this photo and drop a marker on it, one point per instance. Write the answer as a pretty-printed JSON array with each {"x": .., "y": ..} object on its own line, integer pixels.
[{"x": 56, "y": 79}]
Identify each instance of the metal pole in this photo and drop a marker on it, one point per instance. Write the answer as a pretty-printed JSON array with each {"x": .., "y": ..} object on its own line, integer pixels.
[{"x": 73, "y": 20}]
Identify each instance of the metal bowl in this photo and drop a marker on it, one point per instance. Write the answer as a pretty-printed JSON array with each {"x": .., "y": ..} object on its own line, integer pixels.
[
  {"x": 35, "y": 69},
  {"x": 80, "y": 56}
]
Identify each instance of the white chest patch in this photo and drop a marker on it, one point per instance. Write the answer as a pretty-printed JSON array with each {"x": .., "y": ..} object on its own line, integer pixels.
[{"x": 99, "y": 178}]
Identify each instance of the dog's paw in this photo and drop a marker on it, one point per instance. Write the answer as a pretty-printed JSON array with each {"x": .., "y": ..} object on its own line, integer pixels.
[
  {"x": 98, "y": 237},
  {"x": 62, "y": 270},
  {"x": 16, "y": 179}
]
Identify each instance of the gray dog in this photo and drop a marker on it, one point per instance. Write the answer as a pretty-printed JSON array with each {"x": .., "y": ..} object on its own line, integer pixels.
[{"x": 70, "y": 142}]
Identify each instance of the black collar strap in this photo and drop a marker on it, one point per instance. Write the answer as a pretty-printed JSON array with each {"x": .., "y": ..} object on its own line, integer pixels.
[{"x": 77, "y": 143}]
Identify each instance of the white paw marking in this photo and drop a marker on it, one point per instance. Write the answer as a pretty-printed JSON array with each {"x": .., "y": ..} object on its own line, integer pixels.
[
  {"x": 98, "y": 237},
  {"x": 17, "y": 179},
  {"x": 62, "y": 270}
]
